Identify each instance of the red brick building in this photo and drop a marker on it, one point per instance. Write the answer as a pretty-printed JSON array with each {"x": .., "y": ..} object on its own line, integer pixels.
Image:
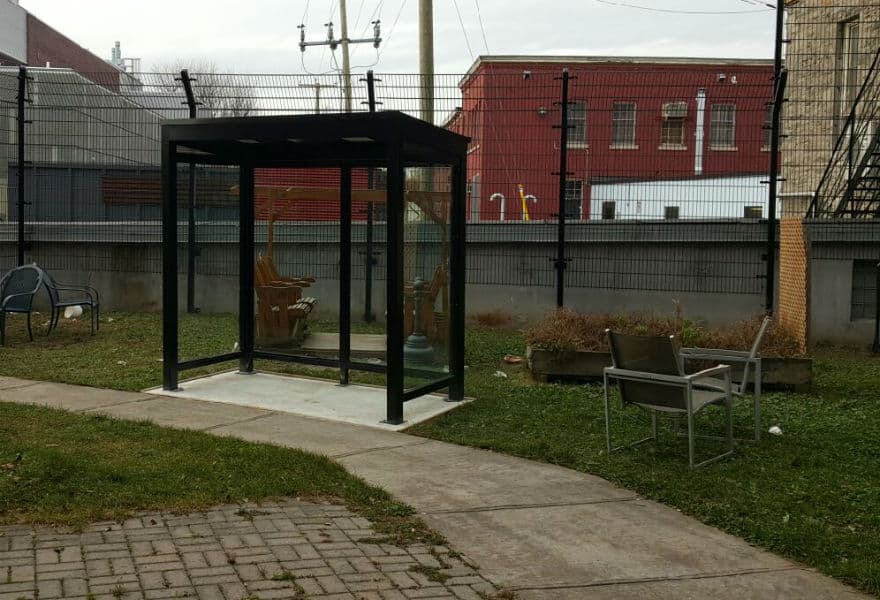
[{"x": 631, "y": 120}]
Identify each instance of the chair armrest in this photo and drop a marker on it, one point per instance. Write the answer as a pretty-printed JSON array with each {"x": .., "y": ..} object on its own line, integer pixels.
[
  {"x": 721, "y": 357},
  {"x": 11, "y": 296},
  {"x": 712, "y": 353},
  {"x": 642, "y": 376},
  {"x": 716, "y": 370},
  {"x": 89, "y": 290}
]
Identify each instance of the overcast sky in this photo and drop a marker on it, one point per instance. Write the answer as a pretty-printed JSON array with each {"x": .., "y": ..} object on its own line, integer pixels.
[{"x": 261, "y": 36}]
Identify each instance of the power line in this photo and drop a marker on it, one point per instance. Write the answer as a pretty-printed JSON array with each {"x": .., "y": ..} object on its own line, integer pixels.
[
  {"x": 358, "y": 18},
  {"x": 679, "y": 12},
  {"x": 759, "y": 3},
  {"x": 463, "y": 30},
  {"x": 376, "y": 10},
  {"x": 482, "y": 29},
  {"x": 393, "y": 25}
]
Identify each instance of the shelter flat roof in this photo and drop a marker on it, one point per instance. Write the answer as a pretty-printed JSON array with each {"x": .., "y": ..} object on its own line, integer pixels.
[{"x": 313, "y": 139}]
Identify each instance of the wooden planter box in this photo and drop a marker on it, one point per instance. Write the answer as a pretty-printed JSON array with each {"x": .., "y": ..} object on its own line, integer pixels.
[{"x": 547, "y": 365}]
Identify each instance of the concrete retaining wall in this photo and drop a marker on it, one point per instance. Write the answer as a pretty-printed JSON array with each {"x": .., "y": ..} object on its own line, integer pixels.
[{"x": 636, "y": 267}]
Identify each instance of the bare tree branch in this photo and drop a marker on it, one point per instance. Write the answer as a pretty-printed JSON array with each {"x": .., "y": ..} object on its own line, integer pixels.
[{"x": 219, "y": 95}]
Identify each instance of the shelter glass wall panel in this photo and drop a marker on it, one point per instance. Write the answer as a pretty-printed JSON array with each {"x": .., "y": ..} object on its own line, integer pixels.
[
  {"x": 297, "y": 235},
  {"x": 426, "y": 251},
  {"x": 207, "y": 260}
]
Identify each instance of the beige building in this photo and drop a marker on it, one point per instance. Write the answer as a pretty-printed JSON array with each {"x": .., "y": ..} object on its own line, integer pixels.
[{"x": 830, "y": 152}]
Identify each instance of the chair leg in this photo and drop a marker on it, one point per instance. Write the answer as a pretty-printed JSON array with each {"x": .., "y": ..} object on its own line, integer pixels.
[
  {"x": 607, "y": 418},
  {"x": 729, "y": 406},
  {"x": 97, "y": 317},
  {"x": 30, "y": 331},
  {"x": 690, "y": 416},
  {"x": 758, "y": 402},
  {"x": 92, "y": 317},
  {"x": 2, "y": 328}
]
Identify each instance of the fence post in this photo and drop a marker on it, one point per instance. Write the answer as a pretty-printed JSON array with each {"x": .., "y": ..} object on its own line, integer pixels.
[
  {"x": 369, "y": 260},
  {"x": 21, "y": 100},
  {"x": 191, "y": 250},
  {"x": 876, "y": 345},
  {"x": 561, "y": 262},
  {"x": 780, "y": 75}
]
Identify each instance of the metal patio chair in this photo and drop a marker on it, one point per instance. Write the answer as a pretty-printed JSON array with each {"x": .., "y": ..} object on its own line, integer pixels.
[
  {"x": 748, "y": 360},
  {"x": 649, "y": 372},
  {"x": 62, "y": 295},
  {"x": 17, "y": 290}
]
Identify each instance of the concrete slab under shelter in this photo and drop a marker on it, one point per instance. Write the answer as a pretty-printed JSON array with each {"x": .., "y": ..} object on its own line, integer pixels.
[{"x": 316, "y": 398}]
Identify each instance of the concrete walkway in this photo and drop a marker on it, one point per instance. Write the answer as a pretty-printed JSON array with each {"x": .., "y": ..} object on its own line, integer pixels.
[{"x": 545, "y": 532}]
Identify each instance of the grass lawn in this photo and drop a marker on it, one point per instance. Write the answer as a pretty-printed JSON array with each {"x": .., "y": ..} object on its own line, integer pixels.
[
  {"x": 812, "y": 494},
  {"x": 75, "y": 469}
]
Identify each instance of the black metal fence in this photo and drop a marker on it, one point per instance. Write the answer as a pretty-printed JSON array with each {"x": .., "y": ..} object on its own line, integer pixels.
[
  {"x": 593, "y": 173},
  {"x": 654, "y": 156}
]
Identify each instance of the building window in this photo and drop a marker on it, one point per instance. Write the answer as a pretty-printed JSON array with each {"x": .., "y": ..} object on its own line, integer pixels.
[
  {"x": 673, "y": 117},
  {"x": 752, "y": 212},
  {"x": 722, "y": 127},
  {"x": 577, "y": 125},
  {"x": 768, "y": 128},
  {"x": 848, "y": 65},
  {"x": 864, "y": 290},
  {"x": 623, "y": 125},
  {"x": 608, "y": 210},
  {"x": 475, "y": 198},
  {"x": 574, "y": 199},
  {"x": 670, "y": 212}
]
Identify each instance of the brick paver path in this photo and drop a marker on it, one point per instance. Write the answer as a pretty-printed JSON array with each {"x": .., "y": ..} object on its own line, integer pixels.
[{"x": 289, "y": 549}]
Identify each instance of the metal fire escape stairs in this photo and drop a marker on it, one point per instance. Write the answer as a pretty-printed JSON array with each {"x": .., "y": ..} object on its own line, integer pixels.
[{"x": 850, "y": 185}]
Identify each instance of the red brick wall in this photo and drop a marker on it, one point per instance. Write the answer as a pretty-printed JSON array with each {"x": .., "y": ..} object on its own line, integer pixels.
[{"x": 46, "y": 45}]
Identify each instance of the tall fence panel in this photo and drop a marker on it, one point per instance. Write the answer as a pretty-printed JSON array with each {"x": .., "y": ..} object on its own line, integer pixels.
[{"x": 658, "y": 181}]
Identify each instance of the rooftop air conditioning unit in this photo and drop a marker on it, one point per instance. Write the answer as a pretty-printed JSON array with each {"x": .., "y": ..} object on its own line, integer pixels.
[{"x": 675, "y": 110}]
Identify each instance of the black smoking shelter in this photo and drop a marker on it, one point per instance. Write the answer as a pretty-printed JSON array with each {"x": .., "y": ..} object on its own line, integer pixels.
[{"x": 385, "y": 140}]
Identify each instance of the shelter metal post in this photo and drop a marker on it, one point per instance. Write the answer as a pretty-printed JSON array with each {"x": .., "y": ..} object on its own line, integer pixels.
[
  {"x": 344, "y": 274},
  {"x": 394, "y": 289},
  {"x": 457, "y": 281},
  {"x": 369, "y": 258},
  {"x": 246, "y": 269},
  {"x": 192, "y": 250},
  {"x": 169, "y": 267}
]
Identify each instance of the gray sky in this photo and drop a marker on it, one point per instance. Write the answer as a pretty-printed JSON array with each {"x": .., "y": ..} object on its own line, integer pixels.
[{"x": 260, "y": 36}]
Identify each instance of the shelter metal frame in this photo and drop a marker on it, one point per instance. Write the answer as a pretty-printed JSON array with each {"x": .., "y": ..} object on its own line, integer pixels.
[{"x": 360, "y": 140}]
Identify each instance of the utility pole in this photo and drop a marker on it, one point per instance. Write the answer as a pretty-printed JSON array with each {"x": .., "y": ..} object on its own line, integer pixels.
[
  {"x": 426, "y": 58},
  {"x": 318, "y": 86},
  {"x": 346, "y": 64},
  {"x": 333, "y": 42}
]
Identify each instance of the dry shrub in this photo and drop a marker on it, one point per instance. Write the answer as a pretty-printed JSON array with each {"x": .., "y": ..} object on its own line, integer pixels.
[{"x": 565, "y": 329}]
